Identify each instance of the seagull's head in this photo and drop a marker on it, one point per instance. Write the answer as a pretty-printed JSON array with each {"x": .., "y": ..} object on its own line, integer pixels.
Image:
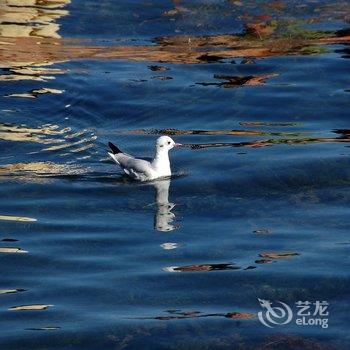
[{"x": 166, "y": 143}]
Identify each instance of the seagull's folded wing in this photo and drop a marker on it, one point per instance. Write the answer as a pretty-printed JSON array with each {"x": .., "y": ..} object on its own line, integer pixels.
[{"x": 137, "y": 167}]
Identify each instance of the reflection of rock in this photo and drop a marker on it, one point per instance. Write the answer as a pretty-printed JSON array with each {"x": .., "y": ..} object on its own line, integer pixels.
[
  {"x": 179, "y": 314},
  {"x": 13, "y": 30},
  {"x": 234, "y": 81},
  {"x": 24, "y": 23},
  {"x": 163, "y": 216},
  {"x": 158, "y": 68},
  {"x": 33, "y": 307},
  {"x": 49, "y": 134},
  {"x": 202, "y": 267},
  {"x": 36, "y": 92},
  {"x": 31, "y": 18},
  {"x": 234, "y": 132},
  {"x": 12, "y": 250},
  {"x": 278, "y": 255},
  {"x": 37, "y": 70},
  {"x": 166, "y": 49},
  {"x": 39, "y": 169},
  {"x": 14, "y": 132},
  {"x": 16, "y": 218},
  {"x": 10, "y": 291},
  {"x": 37, "y": 172},
  {"x": 15, "y": 77},
  {"x": 46, "y": 138},
  {"x": 35, "y": 74},
  {"x": 271, "y": 142}
]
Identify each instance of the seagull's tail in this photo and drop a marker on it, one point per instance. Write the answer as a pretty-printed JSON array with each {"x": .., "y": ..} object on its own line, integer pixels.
[
  {"x": 114, "y": 148},
  {"x": 115, "y": 151}
]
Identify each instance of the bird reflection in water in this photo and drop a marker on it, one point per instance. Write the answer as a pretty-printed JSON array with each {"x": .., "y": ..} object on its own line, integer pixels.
[{"x": 164, "y": 217}]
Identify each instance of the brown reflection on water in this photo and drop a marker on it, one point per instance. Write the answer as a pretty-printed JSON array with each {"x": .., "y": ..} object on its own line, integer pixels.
[
  {"x": 202, "y": 267},
  {"x": 24, "y": 18},
  {"x": 180, "y": 314},
  {"x": 30, "y": 37},
  {"x": 289, "y": 138},
  {"x": 344, "y": 137},
  {"x": 39, "y": 169},
  {"x": 12, "y": 250},
  {"x": 11, "y": 291},
  {"x": 50, "y": 135},
  {"x": 278, "y": 255},
  {"x": 46, "y": 138},
  {"x": 209, "y": 132},
  {"x": 16, "y": 218},
  {"x": 32, "y": 307},
  {"x": 26, "y": 25},
  {"x": 22, "y": 133},
  {"x": 30, "y": 42},
  {"x": 38, "y": 172},
  {"x": 227, "y": 81},
  {"x": 176, "y": 49},
  {"x": 191, "y": 50},
  {"x": 35, "y": 92},
  {"x": 267, "y": 257}
]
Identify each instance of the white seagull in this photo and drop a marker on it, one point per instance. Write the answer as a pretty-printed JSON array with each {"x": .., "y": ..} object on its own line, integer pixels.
[{"x": 143, "y": 170}]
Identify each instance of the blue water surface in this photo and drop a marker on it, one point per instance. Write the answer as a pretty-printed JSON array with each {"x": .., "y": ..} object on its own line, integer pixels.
[{"x": 115, "y": 266}]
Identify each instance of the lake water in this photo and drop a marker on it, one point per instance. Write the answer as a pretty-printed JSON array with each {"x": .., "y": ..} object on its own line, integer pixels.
[{"x": 258, "y": 207}]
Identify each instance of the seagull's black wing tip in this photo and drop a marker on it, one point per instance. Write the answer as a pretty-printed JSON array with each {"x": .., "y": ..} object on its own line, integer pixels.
[{"x": 114, "y": 148}]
